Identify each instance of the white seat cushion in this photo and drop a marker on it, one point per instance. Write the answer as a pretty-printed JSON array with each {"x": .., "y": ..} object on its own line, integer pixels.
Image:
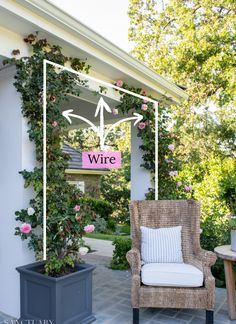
[
  {"x": 161, "y": 245},
  {"x": 171, "y": 275}
]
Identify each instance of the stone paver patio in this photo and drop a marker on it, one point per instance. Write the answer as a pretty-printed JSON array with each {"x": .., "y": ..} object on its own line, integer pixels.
[
  {"x": 111, "y": 301},
  {"x": 111, "y": 292}
]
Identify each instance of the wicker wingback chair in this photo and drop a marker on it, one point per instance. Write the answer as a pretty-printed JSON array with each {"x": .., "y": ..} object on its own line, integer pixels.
[{"x": 168, "y": 213}]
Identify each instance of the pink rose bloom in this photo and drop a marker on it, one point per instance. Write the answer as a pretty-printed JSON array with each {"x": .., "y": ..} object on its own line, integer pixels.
[
  {"x": 144, "y": 107},
  {"x": 178, "y": 183},
  {"x": 188, "y": 188},
  {"x": 169, "y": 161},
  {"x": 171, "y": 147},
  {"x": 119, "y": 83},
  {"x": 55, "y": 124},
  {"x": 89, "y": 228},
  {"x": 173, "y": 173},
  {"x": 115, "y": 111},
  {"x": 141, "y": 125},
  {"x": 145, "y": 101},
  {"x": 77, "y": 208},
  {"x": 25, "y": 228}
]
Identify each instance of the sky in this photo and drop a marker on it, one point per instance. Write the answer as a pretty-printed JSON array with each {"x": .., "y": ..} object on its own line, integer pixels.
[{"x": 107, "y": 17}]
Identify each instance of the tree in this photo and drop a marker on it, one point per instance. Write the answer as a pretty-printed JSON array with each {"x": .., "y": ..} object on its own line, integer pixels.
[{"x": 193, "y": 44}]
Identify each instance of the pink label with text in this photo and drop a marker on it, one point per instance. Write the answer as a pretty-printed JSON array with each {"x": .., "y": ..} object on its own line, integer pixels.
[{"x": 101, "y": 160}]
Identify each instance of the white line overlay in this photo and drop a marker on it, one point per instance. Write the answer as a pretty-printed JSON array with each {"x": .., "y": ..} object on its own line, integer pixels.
[
  {"x": 155, "y": 105},
  {"x": 156, "y": 149}
]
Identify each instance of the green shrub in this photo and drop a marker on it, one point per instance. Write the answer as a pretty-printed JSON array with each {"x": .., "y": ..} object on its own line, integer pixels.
[
  {"x": 100, "y": 224},
  {"x": 207, "y": 186},
  {"x": 111, "y": 224},
  {"x": 122, "y": 246},
  {"x": 124, "y": 228},
  {"x": 214, "y": 233},
  {"x": 115, "y": 186},
  {"x": 228, "y": 186},
  {"x": 100, "y": 206},
  {"x": 215, "y": 230}
]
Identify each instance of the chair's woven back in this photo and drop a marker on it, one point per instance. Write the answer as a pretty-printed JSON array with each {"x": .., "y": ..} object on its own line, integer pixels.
[{"x": 167, "y": 213}]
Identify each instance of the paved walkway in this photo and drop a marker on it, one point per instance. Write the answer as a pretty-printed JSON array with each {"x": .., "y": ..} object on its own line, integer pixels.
[
  {"x": 101, "y": 247},
  {"x": 111, "y": 296}
]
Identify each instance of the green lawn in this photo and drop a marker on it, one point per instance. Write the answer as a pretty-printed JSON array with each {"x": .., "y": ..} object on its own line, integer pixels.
[{"x": 108, "y": 237}]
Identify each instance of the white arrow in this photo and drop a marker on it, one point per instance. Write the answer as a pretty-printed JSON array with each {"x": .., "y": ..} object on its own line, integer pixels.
[
  {"x": 100, "y": 108},
  {"x": 136, "y": 116},
  {"x": 68, "y": 113},
  {"x": 100, "y": 130}
]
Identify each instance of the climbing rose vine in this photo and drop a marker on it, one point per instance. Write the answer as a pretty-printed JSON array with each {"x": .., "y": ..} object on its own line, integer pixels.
[
  {"x": 168, "y": 162},
  {"x": 67, "y": 221}
]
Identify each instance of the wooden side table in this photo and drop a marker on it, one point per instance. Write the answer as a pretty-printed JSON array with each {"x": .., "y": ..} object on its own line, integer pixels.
[{"x": 224, "y": 252}]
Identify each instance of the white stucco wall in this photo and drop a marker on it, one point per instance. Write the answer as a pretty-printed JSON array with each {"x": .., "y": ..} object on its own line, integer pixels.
[
  {"x": 140, "y": 177},
  {"x": 17, "y": 153}
]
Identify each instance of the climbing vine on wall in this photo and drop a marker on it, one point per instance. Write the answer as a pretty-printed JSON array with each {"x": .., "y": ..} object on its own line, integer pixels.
[
  {"x": 168, "y": 162},
  {"x": 65, "y": 224}
]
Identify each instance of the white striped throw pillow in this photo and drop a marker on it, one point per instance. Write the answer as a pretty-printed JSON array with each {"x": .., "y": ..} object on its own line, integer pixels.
[{"x": 161, "y": 245}]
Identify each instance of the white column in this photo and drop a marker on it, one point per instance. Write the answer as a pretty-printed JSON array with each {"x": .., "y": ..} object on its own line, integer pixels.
[
  {"x": 140, "y": 177},
  {"x": 17, "y": 153}
]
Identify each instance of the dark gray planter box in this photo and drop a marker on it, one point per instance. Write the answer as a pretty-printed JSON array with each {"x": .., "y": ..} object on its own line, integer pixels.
[{"x": 62, "y": 300}]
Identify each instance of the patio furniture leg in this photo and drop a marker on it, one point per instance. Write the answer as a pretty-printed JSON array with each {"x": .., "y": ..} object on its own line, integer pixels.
[
  {"x": 230, "y": 285},
  {"x": 135, "y": 315},
  {"x": 209, "y": 316}
]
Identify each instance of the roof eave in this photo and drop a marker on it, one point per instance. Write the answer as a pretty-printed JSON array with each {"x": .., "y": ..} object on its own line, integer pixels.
[{"x": 51, "y": 11}]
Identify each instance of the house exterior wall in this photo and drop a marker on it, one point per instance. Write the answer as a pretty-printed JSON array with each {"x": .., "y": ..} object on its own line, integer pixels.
[
  {"x": 91, "y": 183},
  {"x": 17, "y": 153}
]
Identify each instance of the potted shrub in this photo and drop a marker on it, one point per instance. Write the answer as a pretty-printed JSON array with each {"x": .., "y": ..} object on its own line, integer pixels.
[{"x": 58, "y": 289}]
